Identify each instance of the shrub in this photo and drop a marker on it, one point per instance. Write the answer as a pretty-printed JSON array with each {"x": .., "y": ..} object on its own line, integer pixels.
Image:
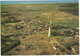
[{"x": 7, "y": 47}]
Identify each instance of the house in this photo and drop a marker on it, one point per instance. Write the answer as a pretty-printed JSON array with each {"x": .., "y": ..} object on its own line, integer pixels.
[
  {"x": 75, "y": 49},
  {"x": 56, "y": 47},
  {"x": 43, "y": 28},
  {"x": 18, "y": 26},
  {"x": 11, "y": 31},
  {"x": 62, "y": 32},
  {"x": 17, "y": 49},
  {"x": 12, "y": 19},
  {"x": 28, "y": 19},
  {"x": 34, "y": 30},
  {"x": 76, "y": 36},
  {"x": 31, "y": 22},
  {"x": 23, "y": 37}
]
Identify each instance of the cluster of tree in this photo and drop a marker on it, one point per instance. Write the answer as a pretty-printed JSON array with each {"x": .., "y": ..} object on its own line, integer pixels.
[
  {"x": 70, "y": 8},
  {"x": 63, "y": 31},
  {"x": 69, "y": 44},
  {"x": 6, "y": 36},
  {"x": 69, "y": 5},
  {"x": 8, "y": 47},
  {"x": 11, "y": 19},
  {"x": 33, "y": 10},
  {"x": 56, "y": 33},
  {"x": 58, "y": 27},
  {"x": 5, "y": 13}
]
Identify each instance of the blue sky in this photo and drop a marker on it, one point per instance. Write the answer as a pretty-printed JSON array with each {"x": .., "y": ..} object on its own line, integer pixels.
[{"x": 39, "y": 0}]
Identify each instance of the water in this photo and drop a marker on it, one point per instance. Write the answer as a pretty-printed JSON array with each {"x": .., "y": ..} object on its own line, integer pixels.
[{"x": 30, "y": 2}]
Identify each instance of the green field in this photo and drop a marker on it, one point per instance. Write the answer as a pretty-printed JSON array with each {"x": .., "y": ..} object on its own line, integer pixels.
[
  {"x": 25, "y": 27},
  {"x": 72, "y": 23}
]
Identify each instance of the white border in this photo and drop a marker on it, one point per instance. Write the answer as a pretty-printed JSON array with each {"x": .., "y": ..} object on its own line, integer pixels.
[
  {"x": 0, "y": 28},
  {"x": 79, "y": 27}
]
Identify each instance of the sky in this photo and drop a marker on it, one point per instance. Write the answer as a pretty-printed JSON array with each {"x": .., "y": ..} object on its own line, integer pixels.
[{"x": 38, "y": 0}]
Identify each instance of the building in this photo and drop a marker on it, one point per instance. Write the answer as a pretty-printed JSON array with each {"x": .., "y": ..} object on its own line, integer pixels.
[{"x": 76, "y": 36}]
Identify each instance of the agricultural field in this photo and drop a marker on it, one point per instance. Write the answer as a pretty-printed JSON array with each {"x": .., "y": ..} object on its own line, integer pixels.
[{"x": 24, "y": 29}]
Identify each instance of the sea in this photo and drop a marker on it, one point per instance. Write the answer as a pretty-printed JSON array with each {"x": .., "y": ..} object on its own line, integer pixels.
[{"x": 31, "y": 2}]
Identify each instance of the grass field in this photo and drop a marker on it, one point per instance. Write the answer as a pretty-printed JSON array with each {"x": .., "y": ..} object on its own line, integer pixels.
[{"x": 28, "y": 24}]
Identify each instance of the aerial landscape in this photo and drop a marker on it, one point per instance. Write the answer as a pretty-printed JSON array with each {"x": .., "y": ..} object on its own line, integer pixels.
[{"x": 39, "y": 28}]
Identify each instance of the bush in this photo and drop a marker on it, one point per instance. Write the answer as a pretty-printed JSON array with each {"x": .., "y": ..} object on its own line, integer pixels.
[
  {"x": 7, "y": 47},
  {"x": 7, "y": 36},
  {"x": 67, "y": 33}
]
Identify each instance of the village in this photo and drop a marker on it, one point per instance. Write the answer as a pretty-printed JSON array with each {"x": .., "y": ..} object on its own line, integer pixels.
[{"x": 25, "y": 35}]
